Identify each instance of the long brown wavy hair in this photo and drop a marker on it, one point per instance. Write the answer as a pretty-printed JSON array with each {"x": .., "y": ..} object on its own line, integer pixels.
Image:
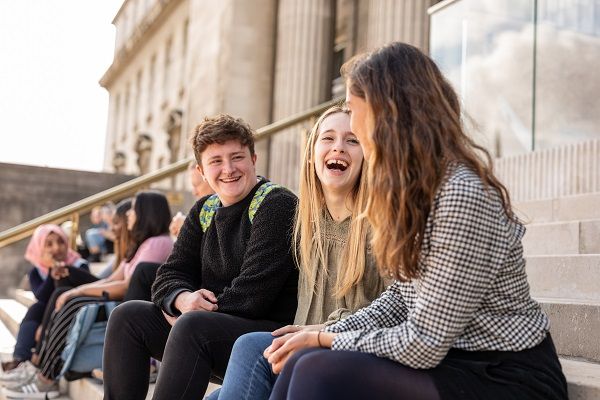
[
  {"x": 308, "y": 234},
  {"x": 417, "y": 132}
]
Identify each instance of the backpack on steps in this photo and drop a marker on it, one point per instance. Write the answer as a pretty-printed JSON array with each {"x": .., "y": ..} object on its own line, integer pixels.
[{"x": 85, "y": 340}]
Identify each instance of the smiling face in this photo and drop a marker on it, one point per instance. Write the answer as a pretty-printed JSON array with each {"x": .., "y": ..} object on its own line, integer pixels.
[
  {"x": 361, "y": 120},
  {"x": 56, "y": 247},
  {"x": 229, "y": 169},
  {"x": 338, "y": 156}
]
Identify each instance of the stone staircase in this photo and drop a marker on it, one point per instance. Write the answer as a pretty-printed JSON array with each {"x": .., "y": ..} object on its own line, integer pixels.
[{"x": 562, "y": 248}]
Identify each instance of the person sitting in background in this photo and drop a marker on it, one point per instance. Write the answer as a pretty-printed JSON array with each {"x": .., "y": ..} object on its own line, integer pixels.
[
  {"x": 200, "y": 188},
  {"x": 108, "y": 212},
  {"x": 120, "y": 235},
  {"x": 95, "y": 236},
  {"x": 54, "y": 264},
  {"x": 231, "y": 272},
  {"x": 337, "y": 275},
  {"x": 148, "y": 223}
]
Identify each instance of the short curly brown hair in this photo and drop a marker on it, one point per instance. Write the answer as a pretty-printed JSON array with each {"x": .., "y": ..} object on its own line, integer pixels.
[{"x": 220, "y": 129}]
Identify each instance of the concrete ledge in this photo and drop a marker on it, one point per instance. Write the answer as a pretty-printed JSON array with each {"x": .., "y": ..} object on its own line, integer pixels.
[
  {"x": 562, "y": 238},
  {"x": 576, "y": 277},
  {"x": 568, "y": 208},
  {"x": 11, "y": 314},
  {"x": 583, "y": 379},
  {"x": 24, "y": 297},
  {"x": 574, "y": 326}
]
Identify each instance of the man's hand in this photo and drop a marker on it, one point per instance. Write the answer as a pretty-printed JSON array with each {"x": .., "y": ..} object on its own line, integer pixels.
[
  {"x": 170, "y": 320},
  {"x": 200, "y": 300}
]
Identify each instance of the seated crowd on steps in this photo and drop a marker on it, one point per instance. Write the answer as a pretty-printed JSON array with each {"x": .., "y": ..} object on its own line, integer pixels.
[{"x": 283, "y": 298}]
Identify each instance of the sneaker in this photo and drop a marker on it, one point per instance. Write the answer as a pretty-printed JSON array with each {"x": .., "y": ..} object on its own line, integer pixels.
[
  {"x": 23, "y": 373},
  {"x": 34, "y": 389},
  {"x": 10, "y": 365}
]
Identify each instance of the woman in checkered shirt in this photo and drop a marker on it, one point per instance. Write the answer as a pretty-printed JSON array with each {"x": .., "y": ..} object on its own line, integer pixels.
[{"x": 459, "y": 322}]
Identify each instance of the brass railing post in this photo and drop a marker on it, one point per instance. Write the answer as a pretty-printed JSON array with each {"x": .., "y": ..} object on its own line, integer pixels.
[{"x": 74, "y": 230}]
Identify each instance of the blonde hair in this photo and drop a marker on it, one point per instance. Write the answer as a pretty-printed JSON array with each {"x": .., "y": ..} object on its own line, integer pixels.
[{"x": 311, "y": 206}]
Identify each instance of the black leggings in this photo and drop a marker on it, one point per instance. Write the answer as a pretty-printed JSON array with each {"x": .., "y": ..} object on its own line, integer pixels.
[
  {"x": 77, "y": 277},
  {"x": 196, "y": 348},
  {"x": 320, "y": 374},
  {"x": 140, "y": 284}
]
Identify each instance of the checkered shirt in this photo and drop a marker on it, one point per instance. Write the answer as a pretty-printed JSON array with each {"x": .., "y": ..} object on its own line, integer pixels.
[{"x": 472, "y": 294}]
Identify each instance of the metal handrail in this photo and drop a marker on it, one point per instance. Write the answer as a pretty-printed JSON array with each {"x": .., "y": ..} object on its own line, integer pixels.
[{"x": 72, "y": 211}]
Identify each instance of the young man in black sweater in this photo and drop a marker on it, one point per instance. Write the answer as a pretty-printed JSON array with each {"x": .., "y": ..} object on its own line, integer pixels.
[{"x": 231, "y": 272}]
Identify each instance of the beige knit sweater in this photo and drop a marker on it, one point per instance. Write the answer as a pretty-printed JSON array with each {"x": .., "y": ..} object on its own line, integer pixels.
[{"x": 317, "y": 302}]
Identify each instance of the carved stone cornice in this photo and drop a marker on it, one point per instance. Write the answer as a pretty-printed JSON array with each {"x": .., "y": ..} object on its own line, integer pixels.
[{"x": 152, "y": 21}]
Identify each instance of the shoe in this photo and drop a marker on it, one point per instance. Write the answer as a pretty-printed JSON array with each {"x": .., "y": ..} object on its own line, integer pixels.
[
  {"x": 10, "y": 365},
  {"x": 23, "y": 373},
  {"x": 33, "y": 389}
]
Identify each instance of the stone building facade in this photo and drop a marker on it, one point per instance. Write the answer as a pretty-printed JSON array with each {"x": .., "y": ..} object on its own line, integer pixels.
[{"x": 177, "y": 61}]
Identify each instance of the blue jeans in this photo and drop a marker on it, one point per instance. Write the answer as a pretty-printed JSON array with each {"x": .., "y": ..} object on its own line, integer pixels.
[
  {"x": 94, "y": 238},
  {"x": 26, "y": 335},
  {"x": 249, "y": 375}
]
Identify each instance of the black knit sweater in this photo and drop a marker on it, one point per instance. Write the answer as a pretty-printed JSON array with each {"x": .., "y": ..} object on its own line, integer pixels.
[{"x": 249, "y": 266}]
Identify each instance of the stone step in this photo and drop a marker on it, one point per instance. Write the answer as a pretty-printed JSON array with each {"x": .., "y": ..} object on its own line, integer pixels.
[
  {"x": 575, "y": 277},
  {"x": 568, "y": 208},
  {"x": 563, "y": 238},
  {"x": 11, "y": 314},
  {"x": 574, "y": 326},
  {"x": 583, "y": 379},
  {"x": 24, "y": 297}
]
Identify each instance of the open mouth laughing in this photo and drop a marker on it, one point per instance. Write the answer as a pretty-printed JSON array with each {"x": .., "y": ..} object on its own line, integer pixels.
[{"x": 337, "y": 164}]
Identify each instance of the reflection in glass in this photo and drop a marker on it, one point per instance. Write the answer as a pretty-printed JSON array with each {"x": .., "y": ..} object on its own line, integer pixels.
[
  {"x": 485, "y": 48},
  {"x": 568, "y": 58}
]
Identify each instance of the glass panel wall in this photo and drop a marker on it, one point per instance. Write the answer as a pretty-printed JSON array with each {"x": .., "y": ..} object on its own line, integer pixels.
[
  {"x": 525, "y": 69},
  {"x": 568, "y": 72}
]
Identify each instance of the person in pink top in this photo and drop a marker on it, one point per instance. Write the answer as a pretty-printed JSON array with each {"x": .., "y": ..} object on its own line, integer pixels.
[{"x": 148, "y": 224}]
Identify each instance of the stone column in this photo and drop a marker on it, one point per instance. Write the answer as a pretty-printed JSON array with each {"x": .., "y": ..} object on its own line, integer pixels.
[
  {"x": 390, "y": 20},
  {"x": 302, "y": 77},
  {"x": 229, "y": 63}
]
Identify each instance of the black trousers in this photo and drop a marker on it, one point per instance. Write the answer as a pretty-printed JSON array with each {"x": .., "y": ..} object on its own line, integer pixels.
[
  {"x": 196, "y": 348},
  {"x": 140, "y": 284},
  {"x": 320, "y": 374},
  {"x": 77, "y": 277}
]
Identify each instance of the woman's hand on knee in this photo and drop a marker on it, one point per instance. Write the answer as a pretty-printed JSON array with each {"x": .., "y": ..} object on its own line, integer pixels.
[
  {"x": 283, "y": 347},
  {"x": 296, "y": 328}
]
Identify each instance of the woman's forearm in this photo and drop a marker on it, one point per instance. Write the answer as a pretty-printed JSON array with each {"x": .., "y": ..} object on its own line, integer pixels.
[{"x": 115, "y": 289}]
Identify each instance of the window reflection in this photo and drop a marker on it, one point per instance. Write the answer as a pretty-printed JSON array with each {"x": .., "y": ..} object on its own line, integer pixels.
[
  {"x": 568, "y": 58},
  {"x": 486, "y": 49}
]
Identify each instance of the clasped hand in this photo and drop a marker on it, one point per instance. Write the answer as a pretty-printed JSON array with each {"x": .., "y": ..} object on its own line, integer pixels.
[
  {"x": 296, "y": 339},
  {"x": 200, "y": 300}
]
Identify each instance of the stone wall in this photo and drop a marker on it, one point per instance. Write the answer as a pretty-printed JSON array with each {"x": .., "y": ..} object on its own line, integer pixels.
[{"x": 27, "y": 192}]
